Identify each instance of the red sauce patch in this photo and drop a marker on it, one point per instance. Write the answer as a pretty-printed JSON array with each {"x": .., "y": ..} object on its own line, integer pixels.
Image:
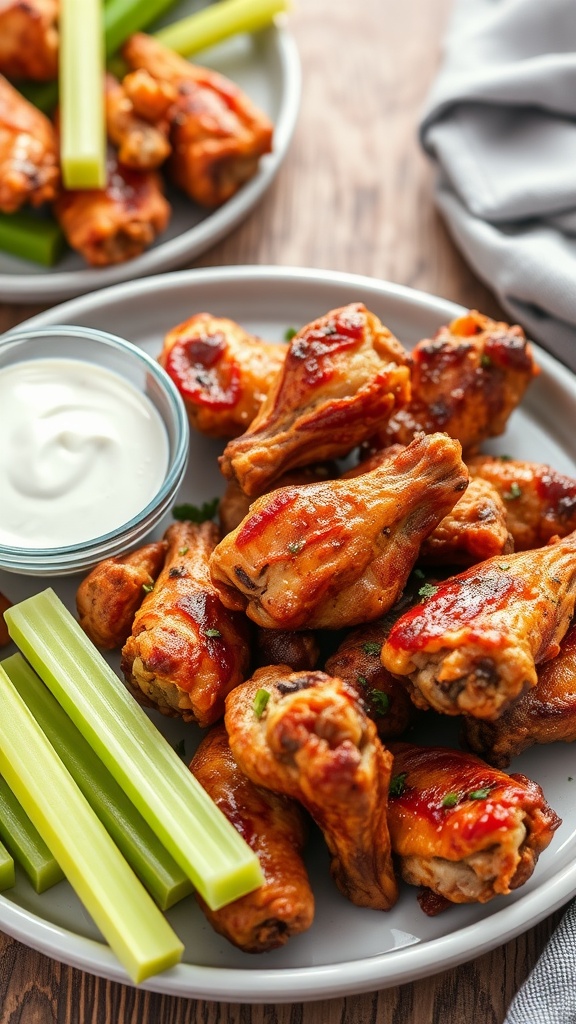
[
  {"x": 197, "y": 368},
  {"x": 261, "y": 519},
  {"x": 315, "y": 347}
]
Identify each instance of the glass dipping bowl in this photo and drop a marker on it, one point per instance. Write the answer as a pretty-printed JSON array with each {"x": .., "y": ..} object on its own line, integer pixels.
[{"x": 141, "y": 372}]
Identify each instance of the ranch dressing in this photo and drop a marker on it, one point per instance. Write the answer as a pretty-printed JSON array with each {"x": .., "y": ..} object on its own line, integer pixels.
[{"x": 82, "y": 451}]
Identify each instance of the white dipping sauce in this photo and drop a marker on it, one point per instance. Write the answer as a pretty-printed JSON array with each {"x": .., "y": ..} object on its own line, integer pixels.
[{"x": 82, "y": 451}]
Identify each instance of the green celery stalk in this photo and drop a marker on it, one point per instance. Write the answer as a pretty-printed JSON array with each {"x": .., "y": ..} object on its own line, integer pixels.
[
  {"x": 159, "y": 872},
  {"x": 81, "y": 76},
  {"x": 124, "y": 17},
  {"x": 217, "y": 22},
  {"x": 25, "y": 843},
  {"x": 200, "y": 838},
  {"x": 24, "y": 235},
  {"x": 128, "y": 918},
  {"x": 7, "y": 869}
]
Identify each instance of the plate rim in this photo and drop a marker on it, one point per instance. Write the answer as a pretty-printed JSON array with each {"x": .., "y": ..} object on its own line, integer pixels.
[{"x": 347, "y": 977}]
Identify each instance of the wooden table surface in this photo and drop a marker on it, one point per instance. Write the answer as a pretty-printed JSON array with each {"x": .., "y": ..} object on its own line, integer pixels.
[{"x": 355, "y": 194}]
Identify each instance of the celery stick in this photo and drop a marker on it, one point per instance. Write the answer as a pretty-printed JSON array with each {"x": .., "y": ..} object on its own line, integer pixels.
[
  {"x": 159, "y": 872},
  {"x": 217, "y": 22},
  {"x": 207, "y": 847},
  {"x": 81, "y": 76},
  {"x": 128, "y": 918},
  {"x": 7, "y": 869},
  {"x": 24, "y": 235},
  {"x": 124, "y": 17},
  {"x": 25, "y": 844}
]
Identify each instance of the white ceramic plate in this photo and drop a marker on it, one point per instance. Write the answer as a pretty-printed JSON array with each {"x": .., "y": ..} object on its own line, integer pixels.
[
  {"x": 348, "y": 949},
  {"x": 267, "y": 67}
]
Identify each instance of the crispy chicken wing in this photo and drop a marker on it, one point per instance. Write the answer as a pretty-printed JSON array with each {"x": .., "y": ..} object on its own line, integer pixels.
[
  {"x": 546, "y": 714},
  {"x": 151, "y": 99},
  {"x": 109, "y": 597},
  {"x": 29, "y": 162},
  {"x": 313, "y": 742},
  {"x": 467, "y": 381},
  {"x": 141, "y": 144},
  {"x": 343, "y": 375},
  {"x": 300, "y": 650},
  {"x": 29, "y": 39},
  {"x": 463, "y": 829},
  {"x": 186, "y": 650},
  {"x": 222, "y": 372},
  {"x": 473, "y": 645},
  {"x": 337, "y": 553},
  {"x": 217, "y": 134},
  {"x": 116, "y": 223},
  {"x": 275, "y": 828},
  {"x": 540, "y": 502}
]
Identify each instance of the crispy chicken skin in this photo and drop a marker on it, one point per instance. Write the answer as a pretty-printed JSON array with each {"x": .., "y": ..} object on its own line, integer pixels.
[
  {"x": 546, "y": 714},
  {"x": 5, "y": 603},
  {"x": 343, "y": 376},
  {"x": 314, "y": 743},
  {"x": 29, "y": 39},
  {"x": 109, "y": 597},
  {"x": 463, "y": 829},
  {"x": 234, "y": 504},
  {"x": 29, "y": 162},
  {"x": 337, "y": 553},
  {"x": 275, "y": 829},
  {"x": 540, "y": 502},
  {"x": 186, "y": 650},
  {"x": 222, "y": 372},
  {"x": 217, "y": 134},
  {"x": 116, "y": 223},
  {"x": 467, "y": 380},
  {"x": 473, "y": 645},
  {"x": 141, "y": 144},
  {"x": 151, "y": 99}
]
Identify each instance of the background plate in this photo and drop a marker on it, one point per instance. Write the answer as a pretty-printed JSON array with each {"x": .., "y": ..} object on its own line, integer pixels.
[
  {"x": 267, "y": 67},
  {"x": 348, "y": 949}
]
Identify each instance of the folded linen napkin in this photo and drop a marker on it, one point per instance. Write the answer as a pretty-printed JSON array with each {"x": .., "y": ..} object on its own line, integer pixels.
[
  {"x": 548, "y": 996},
  {"x": 500, "y": 122}
]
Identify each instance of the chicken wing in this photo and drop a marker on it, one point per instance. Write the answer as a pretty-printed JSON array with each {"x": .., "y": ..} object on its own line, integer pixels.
[
  {"x": 473, "y": 645},
  {"x": 186, "y": 650},
  {"x": 306, "y": 735},
  {"x": 234, "y": 504},
  {"x": 467, "y": 380},
  {"x": 222, "y": 372},
  {"x": 540, "y": 502},
  {"x": 337, "y": 553},
  {"x": 218, "y": 136},
  {"x": 463, "y": 829},
  {"x": 116, "y": 223},
  {"x": 109, "y": 597},
  {"x": 299, "y": 650},
  {"x": 275, "y": 828},
  {"x": 29, "y": 39},
  {"x": 29, "y": 163},
  {"x": 343, "y": 376},
  {"x": 141, "y": 144},
  {"x": 546, "y": 714}
]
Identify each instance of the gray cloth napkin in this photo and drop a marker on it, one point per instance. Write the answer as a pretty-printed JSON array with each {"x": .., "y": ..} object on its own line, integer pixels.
[
  {"x": 548, "y": 996},
  {"x": 500, "y": 122}
]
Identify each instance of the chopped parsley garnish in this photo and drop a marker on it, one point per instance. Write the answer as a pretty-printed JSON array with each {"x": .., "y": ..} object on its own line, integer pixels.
[
  {"x": 260, "y": 701},
  {"x": 514, "y": 492},
  {"x": 212, "y": 633},
  {"x": 380, "y": 701},
  {"x": 295, "y": 546},
  {"x": 398, "y": 784},
  {"x": 505, "y": 458},
  {"x": 485, "y": 361},
  {"x": 479, "y": 794},
  {"x": 420, "y": 574},
  {"x": 504, "y": 567},
  {"x": 196, "y": 513},
  {"x": 147, "y": 587},
  {"x": 183, "y": 551},
  {"x": 450, "y": 800},
  {"x": 289, "y": 333},
  {"x": 371, "y": 648},
  {"x": 361, "y": 680},
  {"x": 428, "y": 590}
]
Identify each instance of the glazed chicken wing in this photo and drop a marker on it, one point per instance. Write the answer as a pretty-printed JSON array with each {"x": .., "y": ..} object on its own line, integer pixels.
[
  {"x": 546, "y": 714},
  {"x": 141, "y": 144},
  {"x": 300, "y": 650},
  {"x": 186, "y": 650},
  {"x": 467, "y": 381},
  {"x": 29, "y": 39},
  {"x": 313, "y": 742},
  {"x": 540, "y": 502},
  {"x": 338, "y": 553},
  {"x": 234, "y": 504},
  {"x": 466, "y": 831},
  {"x": 109, "y": 597},
  {"x": 116, "y": 223},
  {"x": 222, "y": 372},
  {"x": 29, "y": 162},
  {"x": 342, "y": 377},
  {"x": 473, "y": 645},
  {"x": 217, "y": 134},
  {"x": 275, "y": 828}
]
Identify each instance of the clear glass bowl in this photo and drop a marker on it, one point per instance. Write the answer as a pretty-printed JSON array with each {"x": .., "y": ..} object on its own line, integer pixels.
[{"x": 140, "y": 371}]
